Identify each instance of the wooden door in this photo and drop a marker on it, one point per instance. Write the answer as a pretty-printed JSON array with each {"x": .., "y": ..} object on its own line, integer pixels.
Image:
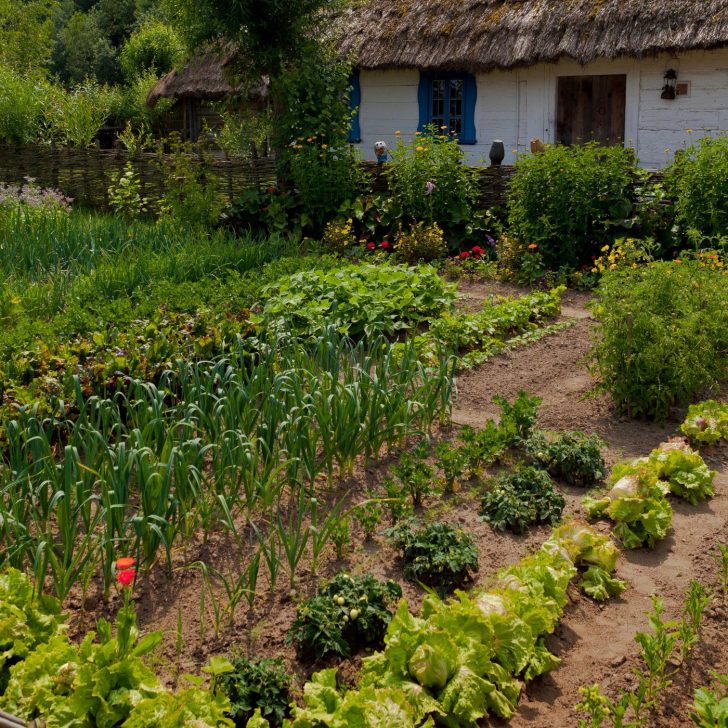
[{"x": 591, "y": 108}]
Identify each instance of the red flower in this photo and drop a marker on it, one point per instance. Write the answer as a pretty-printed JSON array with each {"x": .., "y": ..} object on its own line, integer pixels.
[
  {"x": 532, "y": 246},
  {"x": 371, "y": 246},
  {"x": 477, "y": 250},
  {"x": 384, "y": 245},
  {"x": 126, "y": 577},
  {"x": 464, "y": 255},
  {"x": 125, "y": 562},
  {"x": 271, "y": 190}
]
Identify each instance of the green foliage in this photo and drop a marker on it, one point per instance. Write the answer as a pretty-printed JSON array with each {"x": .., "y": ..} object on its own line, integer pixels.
[
  {"x": 359, "y": 299},
  {"x": 194, "y": 706},
  {"x": 125, "y": 195},
  {"x": 697, "y": 179},
  {"x": 22, "y": 105},
  {"x": 636, "y": 503},
  {"x": 421, "y": 242},
  {"x": 568, "y": 200},
  {"x": 706, "y": 422},
  {"x": 662, "y": 335},
  {"x": 369, "y": 515},
  {"x": 452, "y": 461},
  {"x": 154, "y": 46},
  {"x": 522, "y": 499},
  {"x": 437, "y": 554},
  {"x": 710, "y": 707},
  {"x": 431, "y": 182},
  {"x": 414, "y": 474},
  {"x": 187, "y": 199},
  {"x": 346, "y": 614},
  {"x": 26, "y": 34},
  {"x": 573, "y": 456},
  {"x": 75, "y": 117},
  {"x": 460, "y": 660},
  {"x": 256, "y": 685}
]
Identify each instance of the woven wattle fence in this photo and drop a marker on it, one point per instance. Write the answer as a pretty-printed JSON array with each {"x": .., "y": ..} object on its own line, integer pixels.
[{"x": 85, "y": 174}]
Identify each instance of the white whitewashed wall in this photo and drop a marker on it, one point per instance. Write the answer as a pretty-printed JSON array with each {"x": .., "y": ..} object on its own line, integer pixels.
[{"x": 517, "y": 105}]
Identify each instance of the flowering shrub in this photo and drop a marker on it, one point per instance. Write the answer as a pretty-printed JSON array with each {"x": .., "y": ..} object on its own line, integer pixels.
[
  {"x": 623, "y": 253},
  {"x": 421, "y": 242},
  {"x": 338, "y": 236},
  {"x": 429, "y": 178},
  {"x": 30, "y": 197}
]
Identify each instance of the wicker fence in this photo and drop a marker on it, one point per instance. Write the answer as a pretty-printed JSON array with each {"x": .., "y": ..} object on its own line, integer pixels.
[{"x": 85, "y": 174}]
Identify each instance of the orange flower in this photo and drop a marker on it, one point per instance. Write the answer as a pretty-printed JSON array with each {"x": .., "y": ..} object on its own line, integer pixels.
[
  {"x": 532, "y": 246},
  {"x": 126, "y": 562},
  {"x": 419, "y": 149},
  {"x": 126, "y": 577},
  {"x": 677, "y": 260}
]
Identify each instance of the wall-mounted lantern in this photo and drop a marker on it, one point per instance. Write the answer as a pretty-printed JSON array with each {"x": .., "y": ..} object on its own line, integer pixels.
[{"x": 669, "y": 90}]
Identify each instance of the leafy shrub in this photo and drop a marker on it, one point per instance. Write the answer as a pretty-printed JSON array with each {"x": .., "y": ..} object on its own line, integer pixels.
[
  {"x": 706, "y": 422},
  {"x": 662, "y": 335},
  {"x": 698, "y": 179},
  {"x": 437, "y": 554},
  {"x": 338, "y": 236},
  {"x": 636, "y": 503},
  {"x": 75, "y": 117},
  {"x": 369, "y": 515},
  {"x": 153, "y": 46},
  {"x": 522, "y": 499},
  {"x": 421, "y": 242},
  {"x": 568, "y": 200},
  {"x": 346, "y": 614},
  {"x": 573, "y": 456},
  {"x": 254, "y": 685},
  {"x": 414, "y": 474},
  {"x": 452, "y": 461},
  {"x": 430, "y": 180},
  {"x": 23, "y": 100},
  {"x": 360, "y": 299},
  {"x": 187, "y": 198}
]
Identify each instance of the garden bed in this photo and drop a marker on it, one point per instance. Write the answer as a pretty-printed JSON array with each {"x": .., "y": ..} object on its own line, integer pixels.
[{"x": 595, "y": 641}]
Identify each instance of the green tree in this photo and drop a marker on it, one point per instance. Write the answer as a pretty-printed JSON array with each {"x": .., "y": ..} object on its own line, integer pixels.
[
  {"x": 154, "y": 46},
  {"x": 27, "y": 28},
  {"x": 83, "y": 51}
]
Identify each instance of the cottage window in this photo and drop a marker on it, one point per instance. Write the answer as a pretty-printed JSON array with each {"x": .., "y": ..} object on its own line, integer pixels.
[
  {"x": 354, "y": 104},
  {"x": 448, "y": 100}
]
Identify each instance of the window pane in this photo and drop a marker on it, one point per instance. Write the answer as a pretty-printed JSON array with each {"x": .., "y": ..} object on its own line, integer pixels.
[{"x": 456, "y": 89}]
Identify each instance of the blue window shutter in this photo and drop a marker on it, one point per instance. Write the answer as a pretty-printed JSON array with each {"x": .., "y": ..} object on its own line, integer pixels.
[
  {"x": 424, "y": 99},
  {"x": 470, "y": 95},
  {"x": 354, "y": 104}
]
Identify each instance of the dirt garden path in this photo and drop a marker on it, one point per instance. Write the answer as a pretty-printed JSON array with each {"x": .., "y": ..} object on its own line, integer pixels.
[{"x": 596, "y": 642}]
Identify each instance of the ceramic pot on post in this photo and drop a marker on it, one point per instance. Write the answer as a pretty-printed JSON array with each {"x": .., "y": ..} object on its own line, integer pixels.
[{"x": 497, "y": 153}]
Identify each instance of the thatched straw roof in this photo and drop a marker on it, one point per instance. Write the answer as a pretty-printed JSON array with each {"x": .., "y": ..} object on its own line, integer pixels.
[
  {"x": 473, "y": 35},
  {"x": 205, "y": 76}
]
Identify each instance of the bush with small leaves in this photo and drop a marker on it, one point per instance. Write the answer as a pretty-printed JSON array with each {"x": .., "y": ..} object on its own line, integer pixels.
[
  {"x": 256, "y": 685},
  {"x": 572, "y": 456}
]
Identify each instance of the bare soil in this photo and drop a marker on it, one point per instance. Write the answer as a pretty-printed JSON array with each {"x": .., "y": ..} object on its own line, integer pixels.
[{"x": 595, "y": 641}]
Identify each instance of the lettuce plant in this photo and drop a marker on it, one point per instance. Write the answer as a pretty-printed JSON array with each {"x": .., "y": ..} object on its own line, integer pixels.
[
  {"x": 706, "y": 422},
  {"x": 684, "y": 470},
  {"x": 636, "y": 502}
]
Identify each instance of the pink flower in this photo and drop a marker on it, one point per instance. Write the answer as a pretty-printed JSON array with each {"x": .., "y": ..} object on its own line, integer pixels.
[
  {"x": 126, "y": 577},
  {"x": 429, "y": 187}
]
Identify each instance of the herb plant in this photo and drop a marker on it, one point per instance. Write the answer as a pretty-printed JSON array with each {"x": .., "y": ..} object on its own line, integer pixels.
[
  {"x": 522, "y": 499},
  {"x": 706, "y": 422},
  {"x": 710, "y": 706},
  {"x": 437, "y": 554},
  {"x": 346, "y": 614}
]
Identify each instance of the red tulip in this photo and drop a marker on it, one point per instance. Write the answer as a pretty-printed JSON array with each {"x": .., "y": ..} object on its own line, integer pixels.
[
  {"x": 126, "y": 577},
  {"x": 125, "y": 562}
]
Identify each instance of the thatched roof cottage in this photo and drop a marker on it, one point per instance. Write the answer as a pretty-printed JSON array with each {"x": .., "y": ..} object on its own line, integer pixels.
[{"x": 649, "y": 73}]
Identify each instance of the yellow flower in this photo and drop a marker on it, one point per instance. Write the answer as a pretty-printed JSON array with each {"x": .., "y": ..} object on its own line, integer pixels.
[
  {"x": 419, "y": 149},
  {"x": 417, "y": 133},
  {"x": 324, "y": 146},
  {"x": 397, "y": 133},
  {"x": 689, "y": 131}
]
